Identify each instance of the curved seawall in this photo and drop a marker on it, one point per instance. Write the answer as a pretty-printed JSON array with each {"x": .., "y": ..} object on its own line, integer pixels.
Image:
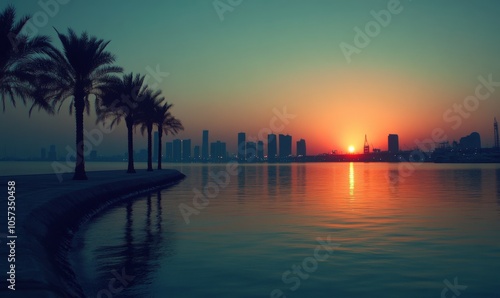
[{"x": 48, "y": 212}]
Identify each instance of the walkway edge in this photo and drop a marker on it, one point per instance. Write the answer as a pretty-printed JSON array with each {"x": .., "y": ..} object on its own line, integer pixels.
[{"x": 50, "y": 227}]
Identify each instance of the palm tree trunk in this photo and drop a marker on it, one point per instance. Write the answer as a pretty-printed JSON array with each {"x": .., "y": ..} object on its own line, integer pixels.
[
  {"x": 80, "y": 159},
  {"x": 150, "y": 147},
  {"x": 160, "y": 132},
  {"x": 130, "y": 136}
]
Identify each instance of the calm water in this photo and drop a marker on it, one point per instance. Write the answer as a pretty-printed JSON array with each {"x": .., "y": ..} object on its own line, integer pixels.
[
  {"x": 398, "y": 237},
  {"x": 46, "y": 167}
]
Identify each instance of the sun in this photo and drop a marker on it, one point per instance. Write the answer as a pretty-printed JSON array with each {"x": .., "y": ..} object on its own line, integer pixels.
[{"x": 351, "y": 149}]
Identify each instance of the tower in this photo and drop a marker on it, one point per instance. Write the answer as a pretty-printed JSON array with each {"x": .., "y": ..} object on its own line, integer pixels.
[
  {"x": 204, "y": 146},
  {"x": 366, "y": 147},
  {"x": 301, "y": 148},
  {"x": 393, "y": 142},
  {"x": 241, "y": 146},
  {"x": 495, "y": 127},
  {"x": 272, "y": 148}
]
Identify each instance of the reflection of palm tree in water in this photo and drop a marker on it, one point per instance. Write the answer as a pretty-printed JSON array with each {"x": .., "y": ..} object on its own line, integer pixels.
[{"x": 140, "y": 252}]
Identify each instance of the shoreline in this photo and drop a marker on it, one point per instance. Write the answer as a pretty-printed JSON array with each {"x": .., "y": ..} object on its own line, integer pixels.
[{"x": 48, "y": 215}]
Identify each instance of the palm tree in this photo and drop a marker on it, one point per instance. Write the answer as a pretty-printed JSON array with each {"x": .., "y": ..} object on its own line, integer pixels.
[
  {"x": 15, "y": 50},
  {"x": 121, "y": 102},
  {"x": 145, "y": 117},
  {"x": 83, "y": 68},
  {"x": 165, "y": 123}
]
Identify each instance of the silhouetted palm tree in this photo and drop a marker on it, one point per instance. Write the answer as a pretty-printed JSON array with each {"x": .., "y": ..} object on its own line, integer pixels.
[
  {"x": 151, "y": 100},
  {"x": 121, "y": 102},
  {"x": 15, "y": 49},
  {"x": 83, "y": 68},
  {"x": 165, "y": 123}
]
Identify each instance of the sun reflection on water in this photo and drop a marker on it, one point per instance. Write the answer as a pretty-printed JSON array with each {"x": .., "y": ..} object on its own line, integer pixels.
[{"x": 351, "y": 179}]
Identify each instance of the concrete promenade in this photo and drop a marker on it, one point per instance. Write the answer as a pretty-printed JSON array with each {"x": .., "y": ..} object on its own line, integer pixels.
[{"x": 47, "y": 213}]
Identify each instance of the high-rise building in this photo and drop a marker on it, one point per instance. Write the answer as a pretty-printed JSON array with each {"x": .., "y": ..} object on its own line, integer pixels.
[
  {"x": 156, "y": 139},
  {"x": 43, "y": 154},
  {"x": 251, "y": 151},
  {"x": 260, "y": 150},
  {"x": 285, "y": 146},
  {"x": 272, "y": 148},
  {"x": 196, "y": 153},
  {"x": 214, "y": 152},
  {"x": 204, "y": 146},
  {"x": 393, "y": 143},
  {"x": 241, "y": 146},
  {"x": 186, "y": 150},
  {"x": 301, "y": 147},
  {"x": 218, "y": 151},
  {"x": 177, "y": 145},
  {"x": 169, "y": 153}
]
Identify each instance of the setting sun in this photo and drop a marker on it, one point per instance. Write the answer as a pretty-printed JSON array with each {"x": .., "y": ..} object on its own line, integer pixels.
[{"x": 351, "y": 149}]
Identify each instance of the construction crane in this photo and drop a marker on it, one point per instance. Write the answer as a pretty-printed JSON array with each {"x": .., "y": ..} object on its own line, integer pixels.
[{"x": 366, "y": 147}]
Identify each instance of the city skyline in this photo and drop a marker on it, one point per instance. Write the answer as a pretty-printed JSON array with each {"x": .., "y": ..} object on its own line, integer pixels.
[{"x": 335, "y": 102}]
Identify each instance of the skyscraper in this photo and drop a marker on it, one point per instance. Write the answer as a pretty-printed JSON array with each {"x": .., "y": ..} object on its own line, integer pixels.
[
  {"x": 393, "y": 143},
  {"x": 260, "y": 150},
  {"x": 204, "y": 146},
  {"x": 241, "y": 146},
  {"x": 176, "y": 144},
  {"x": 285, "y": 146},
  {"x": 251, "y": 151},
  {"x": 272, "y": 148},
  {"x": 186, "y": 150},
  {"x": 196, "y": 153},
  {"x": 301, "y": 147},
  {"x": 169, "y": 152},
  {"x": 218, "y": 151},
  {"x": 155, "y": 146}
]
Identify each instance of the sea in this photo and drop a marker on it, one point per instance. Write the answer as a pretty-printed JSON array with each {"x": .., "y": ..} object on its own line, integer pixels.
[{"x": 298, "y": 230}]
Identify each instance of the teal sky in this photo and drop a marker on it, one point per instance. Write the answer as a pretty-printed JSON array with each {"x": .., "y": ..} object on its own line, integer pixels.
[{"x": 228, "y": 75}]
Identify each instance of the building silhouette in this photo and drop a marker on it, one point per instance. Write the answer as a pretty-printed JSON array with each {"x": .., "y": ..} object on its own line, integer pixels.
[
  {"x": 285, "y": 146},
  {"x": 260, "y": 150},
  {"x": 251, "y": 151},
  {"x": 393, "y": 143},
  {"x": 272, "y": 148},
  {"x": 301, "y": 147},
  {"x": 186, "y": 150},
  {"x": 218, "y": 151},
  {"x": 177, "y": 145},
  {"x": 204, "y": 146},
  {"x": 196, "y": 153},
  {"x": 241, "y": 146},
  {"x": 169, "y": 153},
  {"x": 472, "y": 141},
  {"x": 155, "y": 146}
]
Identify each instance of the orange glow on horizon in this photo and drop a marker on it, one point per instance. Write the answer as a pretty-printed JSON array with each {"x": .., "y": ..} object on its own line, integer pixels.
[{"x": 351, "y": 149}]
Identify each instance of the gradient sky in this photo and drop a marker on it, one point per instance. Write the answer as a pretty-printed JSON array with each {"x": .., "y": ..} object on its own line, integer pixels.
[{"x": 228, "y": 76}]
